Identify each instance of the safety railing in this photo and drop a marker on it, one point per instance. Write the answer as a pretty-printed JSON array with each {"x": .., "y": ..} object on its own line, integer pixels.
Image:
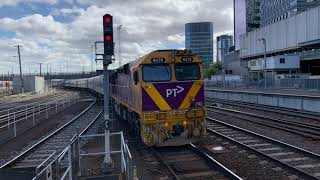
[
  {"x": 13, "y": 97},
  {"x": 60, "y": 166},
  {"x": 125, "y": 159},
  {"x": 56, "y": 167},
  {"x": 10, "y": 121},
  {"x": 24, "y": 106}
]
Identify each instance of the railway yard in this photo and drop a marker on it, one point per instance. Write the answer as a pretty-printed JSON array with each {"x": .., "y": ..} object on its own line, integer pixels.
[{"x": 243, "y": 141}]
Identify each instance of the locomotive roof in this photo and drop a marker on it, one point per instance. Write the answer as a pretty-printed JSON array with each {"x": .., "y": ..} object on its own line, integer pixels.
[{"x": 166, "y": 56}]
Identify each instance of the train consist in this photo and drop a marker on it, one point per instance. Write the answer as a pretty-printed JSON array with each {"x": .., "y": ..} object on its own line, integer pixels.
[{"x": 161, "y": 95}]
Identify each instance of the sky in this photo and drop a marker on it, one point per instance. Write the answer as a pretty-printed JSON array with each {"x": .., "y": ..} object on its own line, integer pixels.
[{"x": 59, "y": 33}]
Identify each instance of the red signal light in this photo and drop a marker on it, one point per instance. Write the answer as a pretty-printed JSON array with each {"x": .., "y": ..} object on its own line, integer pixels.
[
  {"x": 107, "y": 20},
  {"x": 108, "y": 38}
]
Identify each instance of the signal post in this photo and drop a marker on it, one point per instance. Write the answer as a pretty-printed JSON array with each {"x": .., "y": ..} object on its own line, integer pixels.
[{"x": 108, "y": 45}]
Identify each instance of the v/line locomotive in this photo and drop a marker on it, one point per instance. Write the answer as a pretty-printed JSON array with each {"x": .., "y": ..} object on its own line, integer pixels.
[{"x": 161, "y": 95}]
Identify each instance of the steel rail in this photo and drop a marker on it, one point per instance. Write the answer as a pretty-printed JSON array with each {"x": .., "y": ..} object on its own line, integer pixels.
[
  {"x": 15, "y": 159},
  {"x": 297, "y": 128},
  {"x": 215, "y": 163},
  {"x": 210, "y": 160},
  {"x": 268, "y": 139},
  {"x": 311, "y": 126},
  {"x": 273, "y": 109},
  {"x": 159, "y": 157}
]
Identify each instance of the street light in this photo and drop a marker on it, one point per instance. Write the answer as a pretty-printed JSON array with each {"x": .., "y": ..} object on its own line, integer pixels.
[{"x": 264, "y": 42}]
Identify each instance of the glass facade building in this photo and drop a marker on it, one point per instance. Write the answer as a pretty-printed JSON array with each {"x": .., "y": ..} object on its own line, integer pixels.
[
  {"x": 224, "y": 42},
  {"x": 246, "y": 18},
  {"x": 199, "y": 39},
  {"x": 277, "y": 10}
]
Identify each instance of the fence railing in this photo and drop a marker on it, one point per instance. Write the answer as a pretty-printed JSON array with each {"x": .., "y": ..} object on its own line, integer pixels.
[
  {"x": 125, "y": 159},
  {"x": 11, "y": 97},
  {"x": 271, "y": 83},
  {"x": 23, "y": 117},
  {"x": 60, "y": 166}
]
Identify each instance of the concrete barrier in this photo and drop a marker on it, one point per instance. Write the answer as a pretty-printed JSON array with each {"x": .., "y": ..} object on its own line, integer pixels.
[{"x": 292, "y": 101}]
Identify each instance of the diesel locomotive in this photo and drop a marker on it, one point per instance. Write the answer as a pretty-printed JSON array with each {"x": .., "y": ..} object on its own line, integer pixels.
[{"x": 161, "y": 95}]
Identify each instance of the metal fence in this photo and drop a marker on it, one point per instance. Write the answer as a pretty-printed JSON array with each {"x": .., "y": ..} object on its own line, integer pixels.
[
  {"x": 57, "y": 166},
  {"x": 69, "y": 163},
  {"x": 270, "y": 83},
  {"x": 120, "y": 153},
  {"x": 16, "y": 120}
]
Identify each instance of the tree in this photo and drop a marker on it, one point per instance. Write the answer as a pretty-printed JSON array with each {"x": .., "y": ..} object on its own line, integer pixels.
[{"x": 214, "y": 69}]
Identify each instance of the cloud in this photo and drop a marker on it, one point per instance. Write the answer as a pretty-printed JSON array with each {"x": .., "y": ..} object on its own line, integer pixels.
[
  {"x": 177, "y": 38},
  {"x": 146, "y": 26},
  {"x": 16, "y": 2}
]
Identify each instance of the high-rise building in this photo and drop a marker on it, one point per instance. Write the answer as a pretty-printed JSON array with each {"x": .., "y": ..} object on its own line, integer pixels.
[
  {"x": 199, "y": 39},
  {"x": 246, "y": 18},
  {"x": 277, "y": 10},
  {"x": 224, "y": 42}
]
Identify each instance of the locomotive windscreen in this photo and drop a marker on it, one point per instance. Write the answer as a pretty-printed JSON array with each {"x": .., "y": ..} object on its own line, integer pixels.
[
  {"x": 187, "y": 72},
  {"x": 156, "y": 73}
]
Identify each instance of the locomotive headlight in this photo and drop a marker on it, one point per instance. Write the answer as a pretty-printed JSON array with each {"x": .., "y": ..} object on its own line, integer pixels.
[{"x": 185, "y": 123}]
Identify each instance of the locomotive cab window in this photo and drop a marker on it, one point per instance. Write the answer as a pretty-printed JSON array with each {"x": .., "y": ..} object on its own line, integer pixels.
[
  {"x": 135, "y": 77},
  {"x": 187, "y": 72},
  {"x": 156, "y": 73}
]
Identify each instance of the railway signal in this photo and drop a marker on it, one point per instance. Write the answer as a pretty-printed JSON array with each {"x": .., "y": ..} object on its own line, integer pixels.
[{"x": 108, "y": 35}]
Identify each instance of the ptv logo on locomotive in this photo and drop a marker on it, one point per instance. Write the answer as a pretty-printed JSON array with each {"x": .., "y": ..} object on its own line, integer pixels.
[{"x": 174, "y": 91}]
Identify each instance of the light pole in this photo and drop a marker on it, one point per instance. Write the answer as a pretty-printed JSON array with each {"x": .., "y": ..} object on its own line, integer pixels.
[
  {"x": 119, "y": 45},
  {"x": 92, "y": 57},
  {"x": 264, "y": 42}
]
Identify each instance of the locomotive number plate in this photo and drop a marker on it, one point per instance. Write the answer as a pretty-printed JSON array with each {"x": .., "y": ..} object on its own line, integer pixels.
[
  {"x": 186, "y": 59},
  {"x": 158, "y": 60}
]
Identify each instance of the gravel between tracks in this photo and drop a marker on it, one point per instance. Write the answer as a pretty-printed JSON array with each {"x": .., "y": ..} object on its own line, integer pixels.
[
  {"x": 287, "y": 137},
  {"x": 245, "y": 163}
]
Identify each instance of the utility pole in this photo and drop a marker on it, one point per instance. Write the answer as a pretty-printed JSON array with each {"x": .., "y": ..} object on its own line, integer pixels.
[
  {"x": 119, "y": 45},
  {"x": 47, "y": 69},
  {"x": 21, "y": 78}
]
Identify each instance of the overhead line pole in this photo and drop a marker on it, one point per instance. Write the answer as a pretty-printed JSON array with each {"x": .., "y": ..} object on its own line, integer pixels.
[{"x": 21, "y": 78}]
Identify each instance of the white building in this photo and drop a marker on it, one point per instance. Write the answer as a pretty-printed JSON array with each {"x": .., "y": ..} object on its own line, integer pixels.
[
  {"x": 31, "y": 83},
  {"x": 295, "y": 39}
]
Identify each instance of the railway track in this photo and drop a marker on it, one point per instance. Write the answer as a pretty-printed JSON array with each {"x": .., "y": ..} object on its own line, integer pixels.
[
  {"x": 190, "y": 162},
  {"x": 53, "y": 144},
  {"x": 303, "y": 129},
  {"x": 301, "y": 161},
  {"x": 283, "y": 111}
]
